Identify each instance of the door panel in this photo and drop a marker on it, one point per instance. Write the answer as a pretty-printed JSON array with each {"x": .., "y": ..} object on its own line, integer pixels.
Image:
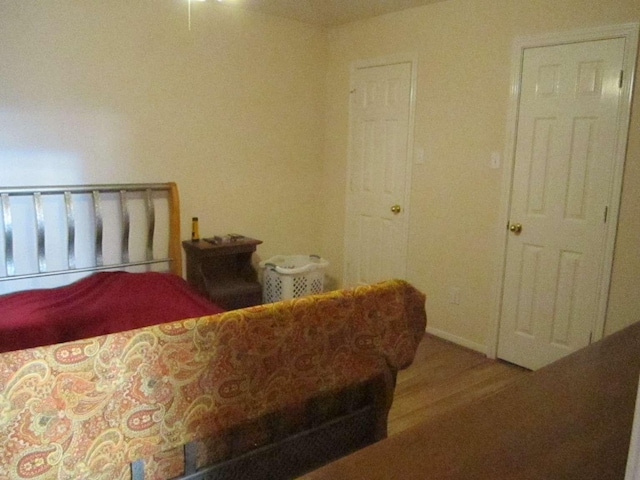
[
  {"x": 378, "y": 173},
  {"x": 564, "y": 158}
]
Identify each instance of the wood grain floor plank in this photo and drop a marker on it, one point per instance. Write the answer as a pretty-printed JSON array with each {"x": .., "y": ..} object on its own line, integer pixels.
[{"x": 443, "y": 377}]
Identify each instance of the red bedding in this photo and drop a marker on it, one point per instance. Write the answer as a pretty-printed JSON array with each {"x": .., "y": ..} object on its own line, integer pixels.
[{"x": 102, "y": 303}]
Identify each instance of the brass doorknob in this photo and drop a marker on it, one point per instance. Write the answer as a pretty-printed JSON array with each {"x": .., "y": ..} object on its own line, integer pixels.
[
  {"x": 515, "y": 228},
  {"x": 396, "y": 209}
]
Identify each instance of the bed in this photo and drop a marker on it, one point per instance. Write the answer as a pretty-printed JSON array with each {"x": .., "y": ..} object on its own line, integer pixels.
[
  {"x": 56, "y": 235},
  {"x": 175, "y": 388}
]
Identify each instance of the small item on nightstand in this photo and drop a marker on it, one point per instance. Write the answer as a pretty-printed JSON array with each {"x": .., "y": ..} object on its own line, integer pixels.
[
  {"x": 220, "y": 239},
  {"x": 195, "y": 234},
  {"x": 216, "y": 240}
]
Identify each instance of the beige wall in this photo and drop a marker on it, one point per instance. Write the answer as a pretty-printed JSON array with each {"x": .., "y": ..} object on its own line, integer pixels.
[
  {"x": 248, "y": 113},
  {"x": 115, "y": 91},
  {"x": 464, "y": 53}
]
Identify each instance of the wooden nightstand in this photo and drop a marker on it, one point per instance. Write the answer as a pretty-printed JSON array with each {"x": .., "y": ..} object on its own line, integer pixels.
[{"x": 223, "y": 271}]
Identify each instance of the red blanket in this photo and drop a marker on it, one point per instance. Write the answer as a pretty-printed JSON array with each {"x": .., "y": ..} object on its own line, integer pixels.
[{"x": 102, "y": 303}]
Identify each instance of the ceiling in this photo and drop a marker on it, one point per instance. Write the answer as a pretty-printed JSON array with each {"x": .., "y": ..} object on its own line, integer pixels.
[{"x": 328, "y": 12}]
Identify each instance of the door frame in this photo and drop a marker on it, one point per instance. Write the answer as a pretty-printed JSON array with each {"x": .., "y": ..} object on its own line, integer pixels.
[
  {"x": 412, "y": 59},
  {"x": 629, "y": 32}
]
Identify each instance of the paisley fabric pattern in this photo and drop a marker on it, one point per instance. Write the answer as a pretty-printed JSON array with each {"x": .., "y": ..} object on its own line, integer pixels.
[{"x": 88, "y": 408}]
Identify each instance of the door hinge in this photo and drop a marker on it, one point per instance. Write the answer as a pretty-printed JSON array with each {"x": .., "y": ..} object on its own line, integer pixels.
[
  {"x": 606, "y": 214},
  {"x": 590, "y": 337},
  {"x": 621, "y": 78}
]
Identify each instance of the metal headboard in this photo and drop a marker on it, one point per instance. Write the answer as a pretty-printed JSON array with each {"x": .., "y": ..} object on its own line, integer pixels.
[{"x": 67, "y": 194}]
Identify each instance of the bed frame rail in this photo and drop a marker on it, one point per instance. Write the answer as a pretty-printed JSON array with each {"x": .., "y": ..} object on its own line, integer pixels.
[
  {"x": 290, "y": 456},
  {"x": 67, "y": 194}
]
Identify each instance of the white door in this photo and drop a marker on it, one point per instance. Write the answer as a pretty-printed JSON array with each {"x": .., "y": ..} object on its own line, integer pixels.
[
  {"x": 564, "y": 161},
  {"x": 378, "y": 173}
]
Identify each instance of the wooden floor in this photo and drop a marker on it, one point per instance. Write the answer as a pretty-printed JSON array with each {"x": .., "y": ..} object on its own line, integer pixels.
[
  {"x": 443, "y": 377},
  {"x": 570, "y": 420}
]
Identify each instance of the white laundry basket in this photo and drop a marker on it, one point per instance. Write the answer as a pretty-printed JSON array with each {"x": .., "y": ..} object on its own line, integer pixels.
[{"x": 292, "y": 276}]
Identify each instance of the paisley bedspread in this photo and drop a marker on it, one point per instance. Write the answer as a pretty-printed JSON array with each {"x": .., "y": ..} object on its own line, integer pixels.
[{"x": 86, "y": 409}]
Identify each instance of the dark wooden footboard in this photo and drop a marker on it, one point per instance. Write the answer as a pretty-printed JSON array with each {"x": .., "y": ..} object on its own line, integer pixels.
[{"x": 285, "y": 445}]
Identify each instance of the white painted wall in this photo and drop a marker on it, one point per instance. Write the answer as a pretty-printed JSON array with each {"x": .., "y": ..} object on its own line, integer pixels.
[
  {"x": 633, "y": 460},
  {"x": 463, "y": 49},
  {"x": 249, "y": 115},
  {"x": 106, "y": 92}
]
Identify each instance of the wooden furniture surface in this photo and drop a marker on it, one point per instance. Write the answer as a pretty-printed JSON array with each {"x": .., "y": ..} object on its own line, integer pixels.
[
  {"x": 223, "y": 271},
  {"x": 569, "y": 420}
]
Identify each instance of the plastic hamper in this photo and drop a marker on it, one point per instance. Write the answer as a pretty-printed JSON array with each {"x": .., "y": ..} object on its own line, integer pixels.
[{"x": 292, "y": 276}]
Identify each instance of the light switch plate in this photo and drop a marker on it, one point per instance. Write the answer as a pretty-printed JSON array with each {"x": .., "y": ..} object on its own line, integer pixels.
[{"x": 495, "y": 160}]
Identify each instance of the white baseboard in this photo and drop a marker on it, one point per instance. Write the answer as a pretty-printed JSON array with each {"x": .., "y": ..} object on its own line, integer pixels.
[{"x": 463, "y": 342}]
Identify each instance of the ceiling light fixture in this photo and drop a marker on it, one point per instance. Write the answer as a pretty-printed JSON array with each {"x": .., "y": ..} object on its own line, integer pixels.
[{"x": 189, "y": 8}]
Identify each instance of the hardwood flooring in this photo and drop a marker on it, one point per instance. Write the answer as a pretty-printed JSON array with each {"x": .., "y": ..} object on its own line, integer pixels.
[
  {"x": 443, "y": 377},
  {"x": 570, "y": 420}
]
